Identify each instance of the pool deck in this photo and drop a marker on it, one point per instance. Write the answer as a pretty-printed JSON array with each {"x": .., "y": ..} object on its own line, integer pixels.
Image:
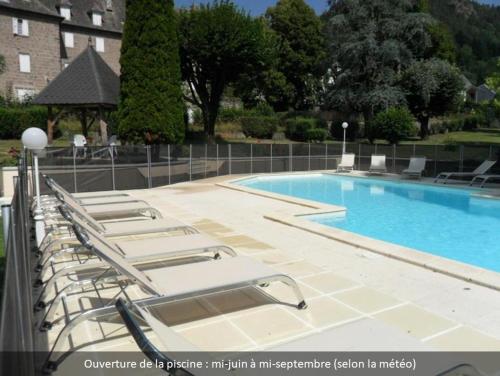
[{"x": 359, "y": 299}]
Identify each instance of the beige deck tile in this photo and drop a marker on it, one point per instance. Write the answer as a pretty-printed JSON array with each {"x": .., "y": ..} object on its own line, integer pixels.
[
  {"x": 218, "y": 336},
  {"x": 324, "y": 311},
  {"x": 270, "y": 325},
  {"x": 329, "y": 282},
  {"x": 415, "y": 321},
  {"x": 275, "y": 257},
  {"x": 237, "y": 240},
  {"x": 366, "y": 300},
  {"x": 465, "y": 339},
  {"x": 299, "y": 269}
]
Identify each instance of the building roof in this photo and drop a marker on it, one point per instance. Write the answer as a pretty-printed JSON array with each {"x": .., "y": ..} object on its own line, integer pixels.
[
  {"x": 113, "y": 11},
  {"x": 484, "y": 93},
  {"x": 87, "y": 81},
  {"x": 33, "y": 6}
]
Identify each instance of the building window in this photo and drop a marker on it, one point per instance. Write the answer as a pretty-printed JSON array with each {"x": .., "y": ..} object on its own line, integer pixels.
[
  {"x": 24, "y": 63},
  {"x": 66, "y": 13},
  {"x": 20, "y": 27},
  {"x": 97, "y": 19},
  {"x": 24, "y": 94},
  {"x": 99, "y": 44},
  {"x": 69, "y": 40}
]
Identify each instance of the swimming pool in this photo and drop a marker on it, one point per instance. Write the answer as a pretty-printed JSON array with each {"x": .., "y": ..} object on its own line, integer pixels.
[{"x": 447, "y": 222}]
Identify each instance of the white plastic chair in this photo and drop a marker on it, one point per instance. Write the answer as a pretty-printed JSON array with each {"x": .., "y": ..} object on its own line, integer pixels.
[{"x": 80, "y": 143}]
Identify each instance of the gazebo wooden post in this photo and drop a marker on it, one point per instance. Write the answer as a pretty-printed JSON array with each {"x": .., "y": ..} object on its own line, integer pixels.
[
  {"x": 83, "y": 121},
  {"x": 50, "y": 125},
  {"x": 103, "y": 126}
]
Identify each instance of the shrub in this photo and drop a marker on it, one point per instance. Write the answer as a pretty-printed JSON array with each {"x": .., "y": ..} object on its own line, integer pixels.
[
  {"x": 296, "y": 129},
  {"x": 394, "y": 124},
  {"x": 316, "y": 134},
  {"x": 472, "y": 122},
  {"x": 352, "y": 132},
  {"x": 259, "y": 126},
  {"x": 227, "y": 115},
  {"x": 14, "y": 120}
]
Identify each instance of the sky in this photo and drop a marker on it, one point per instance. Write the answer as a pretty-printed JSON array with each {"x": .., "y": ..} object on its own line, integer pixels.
[{"x": 257, "y": 7}]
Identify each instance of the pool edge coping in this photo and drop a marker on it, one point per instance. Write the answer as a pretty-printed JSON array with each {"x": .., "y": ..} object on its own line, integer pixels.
[{"x": 442, "y": 265}]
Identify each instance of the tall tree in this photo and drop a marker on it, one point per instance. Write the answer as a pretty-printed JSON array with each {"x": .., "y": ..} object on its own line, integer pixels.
[
  {"x": 493, "y": 81},
  {"x": 432, "y": 88},
  {"x": 301, "y": 51},
  {"x": 371, "y": 43},
  {"x": 151, "y": 107},
  {"x": 219, "y": 42}
]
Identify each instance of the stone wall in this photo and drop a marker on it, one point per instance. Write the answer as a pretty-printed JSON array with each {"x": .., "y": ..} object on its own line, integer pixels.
[
  {"x": 112, "y": 45},
  {"x": 43, "y": 46}
]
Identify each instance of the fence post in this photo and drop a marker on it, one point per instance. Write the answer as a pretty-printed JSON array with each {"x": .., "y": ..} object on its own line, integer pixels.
[
  {"x": 309, "y": 158},
  {"x": 290, "y": 157},
  {"x": 394, "y": 158},
  {"x": 359, "y": 156},
  {"x": 326, "y": 156},
  {"x": 251, "y": 159},
  {"x": 112, "y": 151},
  {"x": 435, "y": 159},
  {"x": 461, "y": 161},
  {"x": 490, "y": 156},
  {"x": 271, "y": 152},
  {"x": 190, "y": 162},
  {"x": 375, "y": 148},
  {"x": 169, "y": 163},
  {"x": 217, "y": 157},
  {"x": 230, "y": 160},
  {"x": 75, "y": 188},
  {"x": 148, "y": 154},
  {"x": 206, "y": 157},
  {"x": 414, "y": 149}
]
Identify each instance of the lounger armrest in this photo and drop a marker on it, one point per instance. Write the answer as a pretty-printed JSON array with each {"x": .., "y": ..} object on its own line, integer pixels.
[{"x": 144, "y": 343}]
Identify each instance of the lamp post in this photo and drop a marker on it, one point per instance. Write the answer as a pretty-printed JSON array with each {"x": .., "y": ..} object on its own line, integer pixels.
[
  {"x": 35, "y": 140},
  {"x": 344, "y": 125}
]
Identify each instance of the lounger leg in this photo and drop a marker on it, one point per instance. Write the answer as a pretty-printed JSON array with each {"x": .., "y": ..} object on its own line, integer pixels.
[
  {"x": 49, "y": 284},
  {"x": 55, "y": 357},
  {"x": 289, "y": 282}
]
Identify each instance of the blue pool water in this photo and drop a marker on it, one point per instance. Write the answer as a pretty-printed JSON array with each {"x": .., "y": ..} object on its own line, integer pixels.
[{"x": 443, "y": 221}]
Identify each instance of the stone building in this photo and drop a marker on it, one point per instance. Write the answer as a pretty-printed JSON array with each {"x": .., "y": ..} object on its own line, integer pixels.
[{"x": 38, "y": 38}]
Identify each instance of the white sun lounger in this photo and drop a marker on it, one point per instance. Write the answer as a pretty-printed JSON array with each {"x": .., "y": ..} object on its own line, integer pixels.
[
  {"x": 346, "y": 163},
  {"x": 167, "y": 284},
  {"x": 103, "y": 211},
  {"x": 416, "y": 167},
  {"x": 89, "y": 198},
  {"x": 377, "y": 165},
  {"x": 480, "y": 170},
  {"x": 134, "y": 251},
  {"x": 483, "y": 179},
  {"x": 61, "y": 234}
]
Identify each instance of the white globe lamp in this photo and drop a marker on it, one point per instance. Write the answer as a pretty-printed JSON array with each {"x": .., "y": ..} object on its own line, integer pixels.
[
  {"x": 35, "y": 140},
  {"x": 345, "y": 125}
]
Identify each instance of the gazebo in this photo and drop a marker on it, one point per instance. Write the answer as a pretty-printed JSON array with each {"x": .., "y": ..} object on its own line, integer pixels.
[{"x": 88, "y": 86}]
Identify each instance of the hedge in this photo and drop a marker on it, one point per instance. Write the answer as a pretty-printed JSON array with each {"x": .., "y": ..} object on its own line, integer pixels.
[
  {"x": 394, "y": 124},
  {"x": 259, "y": 126},
  {"x": 301, "y": 128},
  {"x": 14, "y": 120}
]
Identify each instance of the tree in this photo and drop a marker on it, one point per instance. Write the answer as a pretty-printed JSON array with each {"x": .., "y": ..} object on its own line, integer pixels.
[
  {"x": 219, "y": 42},
  {"x": 301, "y": 51},
  {"x": 493, "y": 81},
  {"x": 151, "y": 107},
  {"x": 432, "y": 88},
  {"x": 394, "y": 124},
  {"x": 371, "y": 43}
]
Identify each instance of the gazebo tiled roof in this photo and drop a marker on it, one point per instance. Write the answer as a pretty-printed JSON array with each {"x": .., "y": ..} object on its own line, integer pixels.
[{"x": 87, "y": 82}]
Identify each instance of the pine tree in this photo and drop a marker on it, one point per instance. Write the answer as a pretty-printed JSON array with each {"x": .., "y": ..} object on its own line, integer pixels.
[{"x": 151, "y": 107}]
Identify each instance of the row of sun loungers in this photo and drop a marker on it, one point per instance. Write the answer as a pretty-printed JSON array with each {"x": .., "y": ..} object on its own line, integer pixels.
[
  {"x": 75, "y": 226},
  {"x": 417, "y": 167}
]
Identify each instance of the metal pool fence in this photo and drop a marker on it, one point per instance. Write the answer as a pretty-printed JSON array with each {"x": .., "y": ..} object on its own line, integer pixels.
[
  {"x": 139, "y": 167},
  {"x": 16, "y": 313}
]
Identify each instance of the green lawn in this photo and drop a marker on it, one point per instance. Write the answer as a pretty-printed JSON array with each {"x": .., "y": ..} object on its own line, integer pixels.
[{"x": 483, "y": 136}]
